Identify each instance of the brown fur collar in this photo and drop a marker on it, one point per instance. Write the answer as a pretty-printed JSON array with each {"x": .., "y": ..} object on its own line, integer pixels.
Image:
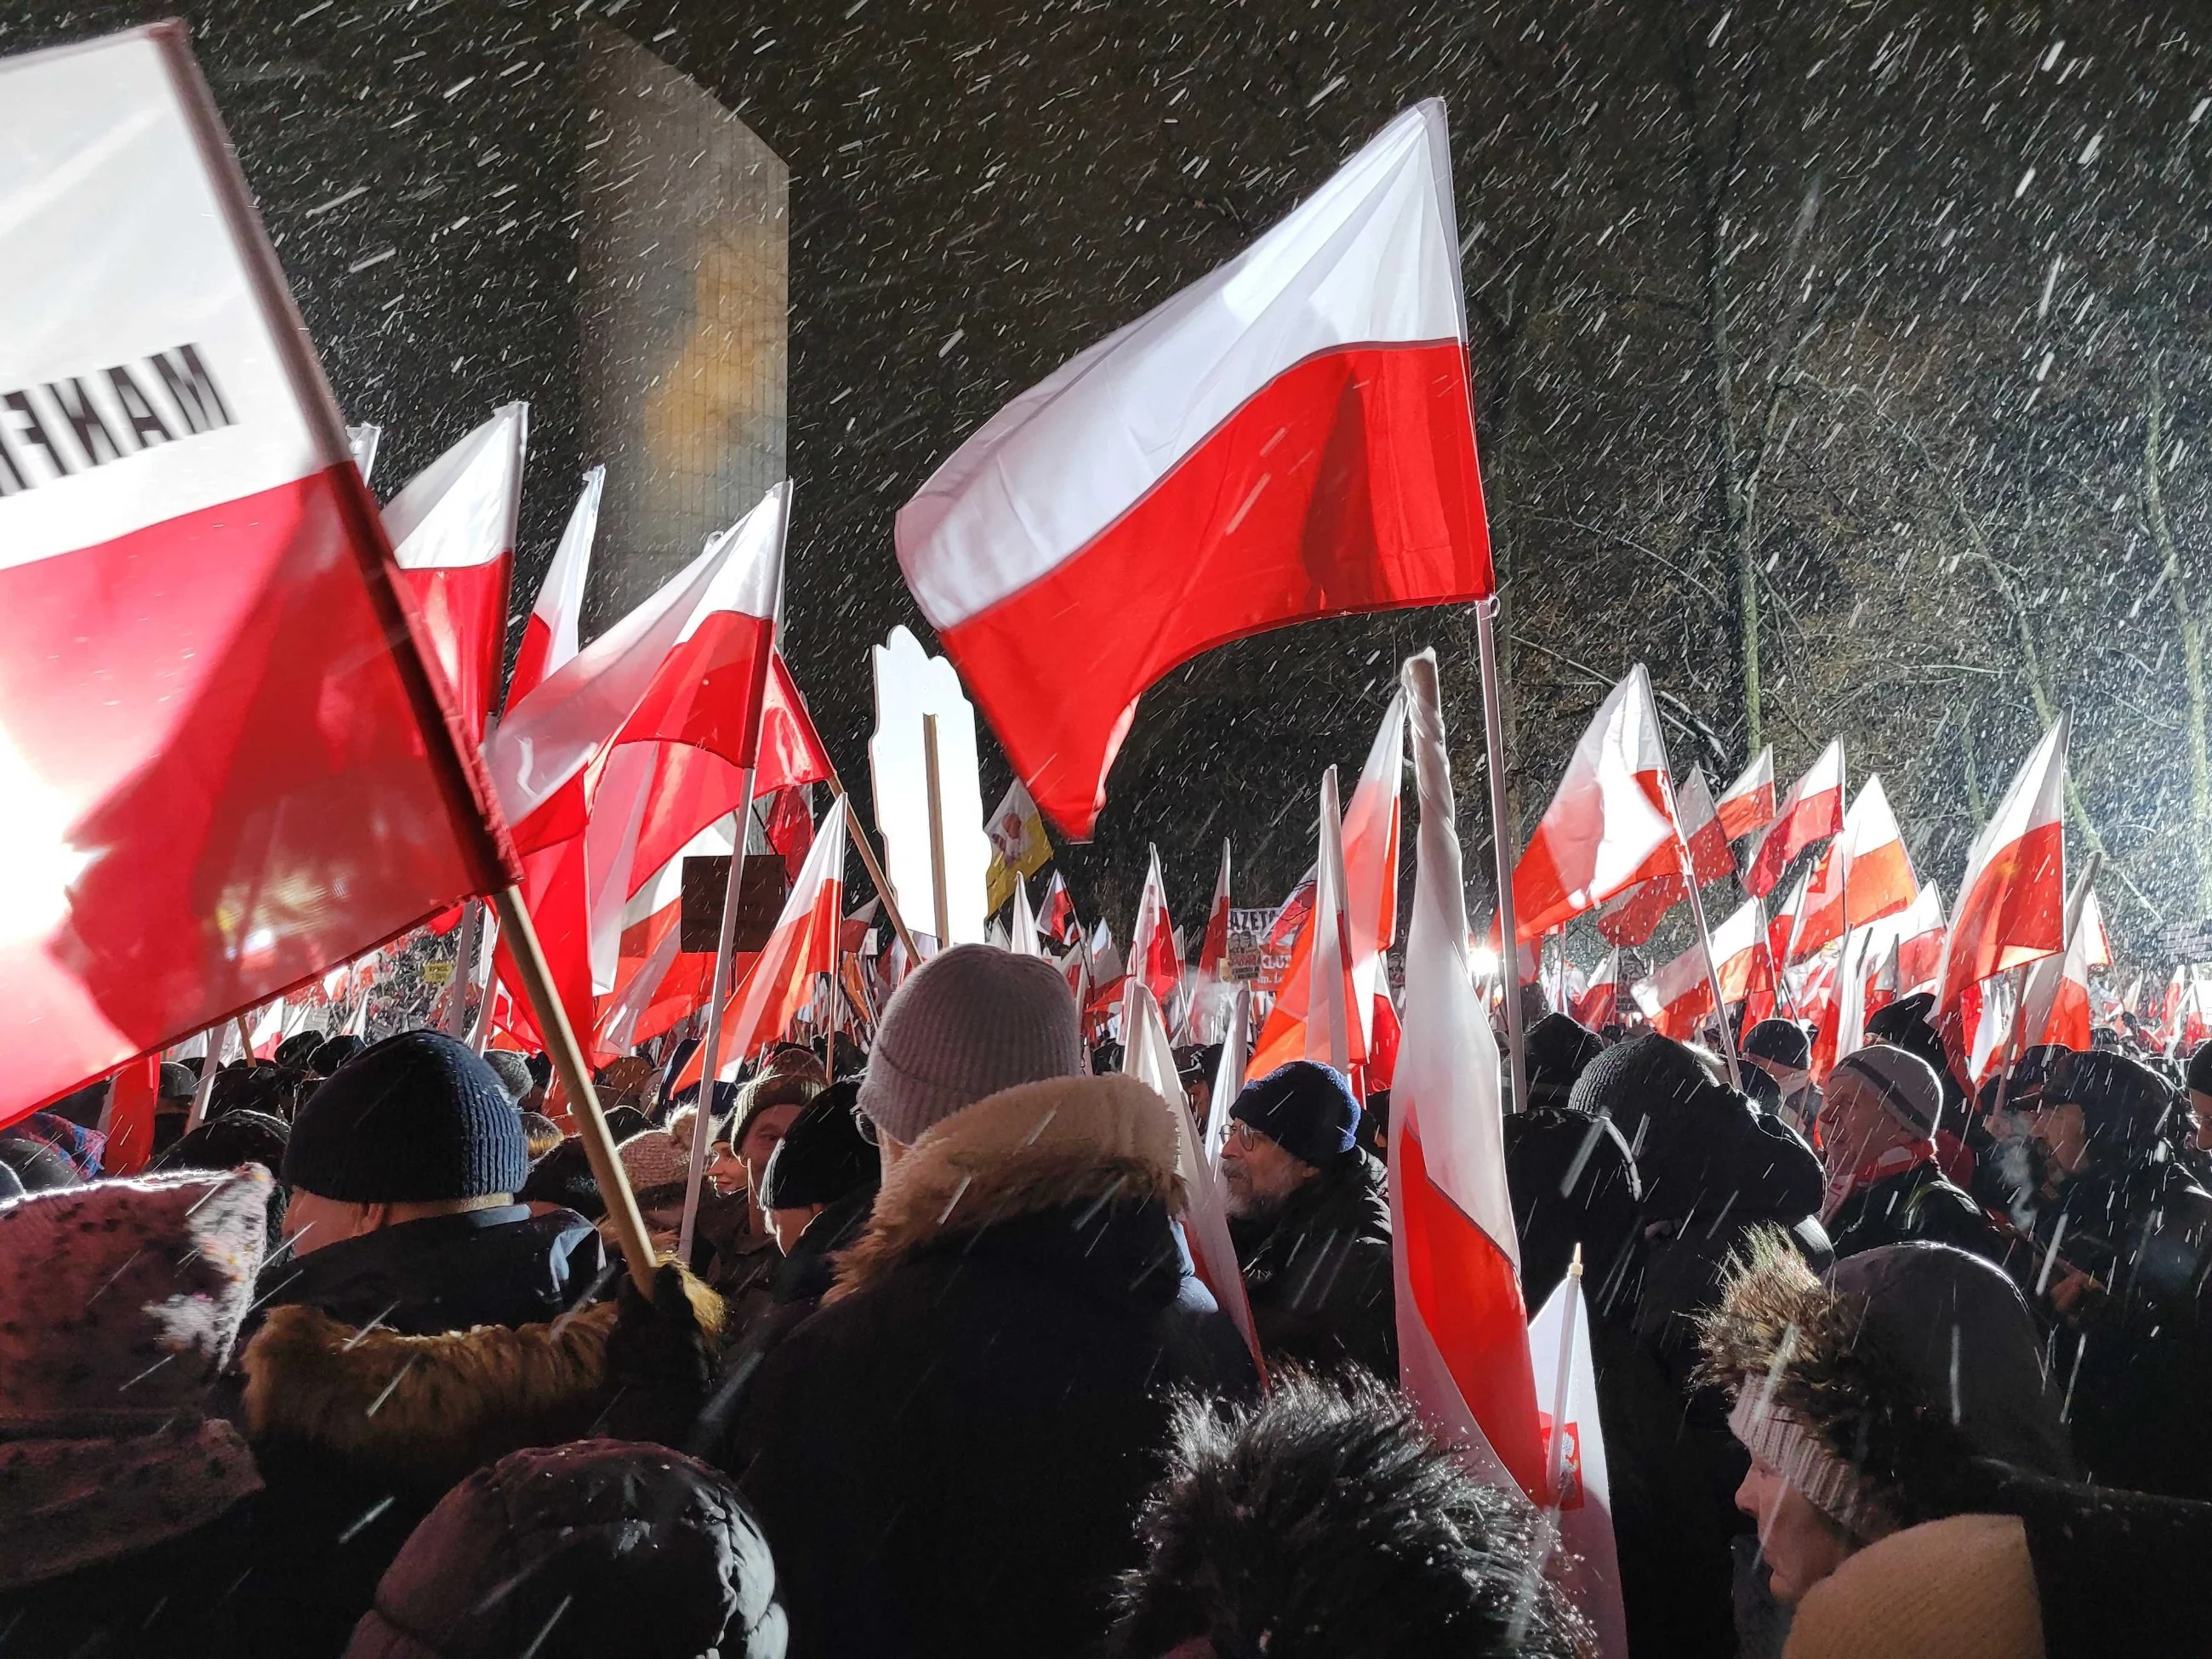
[
  {"x": 428, "y": 1410},
  {"x": 1021, "y": 1151}
]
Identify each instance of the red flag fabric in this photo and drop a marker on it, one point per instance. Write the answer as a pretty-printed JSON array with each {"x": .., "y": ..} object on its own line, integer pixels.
[
  {"x": 1213, "y": 949},
  {"x": 791, "y": 750},
  {"x": 1462, "y": 1326},
  {"x": 1371, "y": 862},
  {"x": 1607, "y": 828},
  {"x": 1290, "y": 438},
  {"x": 1747, "y": 805},
  {"x": 452, "y": 534},
  {"x": 1814, "y": 809},
  {"x": 612, "y": 765},
  {"x": 1920, "y": 943},
  {"x": 1056, "y": 916},
  {"x": 1315, "y": 1017},
  {"x": 2055, "y": 1007},
  {"x": 1680, "y": 993},
  {"x": 1632, "y": 917},
  {"x": 1868, "y": 860},
  {"x": 550, "y": 639},
  {"x": 1599, "y": 1005},
  {"x": 2012, "y": 902},
  {"x": 1154, "y": 961},
  {"x": 791, "y": 828},
  {"x": 226, "y": 764}
]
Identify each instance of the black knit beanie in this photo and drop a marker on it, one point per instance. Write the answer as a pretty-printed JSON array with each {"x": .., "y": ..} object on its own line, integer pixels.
[
  {"x": 2200, "y": 1069},
  {"x": 823, "y": 1157},
  {"x": 416, "y": 1119},
  {"x": 1647, "y": 1073},
  {"x": 335, "y": 1054},
  {"x": 1557, "y": 1049},
  {"x": 1904, "y": 1024},
  {"x": 2124, "y": 1103},
  {"x": 1304, "y": 1108}
]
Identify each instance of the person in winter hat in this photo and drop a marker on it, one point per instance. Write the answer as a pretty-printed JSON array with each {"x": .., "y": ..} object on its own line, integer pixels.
[
  {"x": 1557, "y": 1049},
  {"x": 173, "y": 1089},
  {"x": 1865, "y": 1395},
  {"x": 657, "y": 1165},
  {"x": 1326, "y": 1522},
  {"x": 402, "y": 1169},
  {"x": 948, "y": 1454},
  {"x": 1574, "y": 1186},
  {"x": 1311, "y": 1221},
  {"x": 295, "y": 1051},
  {"x": 125, "y": 1496},
  {"x": 1779, "y": 1052},
  {"x": 1879, "y": 1117},
  {"x": 513, "y": 1073},
  {"x": 1712, "y": 1168},
  {"x": 581, "y": 1551},
  {"x": 335, "y": 1054},
  {"x": 2121, "y": 1262},
  {"x": 1904, "y": 1024}
]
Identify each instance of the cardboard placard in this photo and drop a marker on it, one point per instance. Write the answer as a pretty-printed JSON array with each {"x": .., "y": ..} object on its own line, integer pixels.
[{"x": 761, "y": 895}]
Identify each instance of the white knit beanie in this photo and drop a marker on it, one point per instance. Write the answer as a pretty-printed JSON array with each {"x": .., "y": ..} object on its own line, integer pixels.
[
  {"x": 1775, "y": 1438},
  {"x": 965, "y": 1024}
]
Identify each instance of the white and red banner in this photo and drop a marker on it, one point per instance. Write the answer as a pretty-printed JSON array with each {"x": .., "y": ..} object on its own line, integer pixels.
[
  {"x": 1314, "y": 1015},
  {"x": 1747, "y": 805},
  {"x": 1290, "y": 437},
  {"x": 1632, "y": 917},
  {"x": 1213, "y": 948},
  {"x": 1607, "y": 828},
  {"x": 227, "y": 764},
  {"x": 1371, "y": 865},
  {"x": 1920, "y": 937},
  {"x": 1812, "y": 811},
  {"x": 1574, "y": 1439},
  {"x": 781, "y": 978},
  {"x": 1462, "y": 1327},
  {"x": 1867, "y": 862},
  {"x": 1599, "y": 1005},
  {"x": 550, "y": 639},
  {"x": 1154, "y": 961},
  {"x": 2012, "y": 902}
]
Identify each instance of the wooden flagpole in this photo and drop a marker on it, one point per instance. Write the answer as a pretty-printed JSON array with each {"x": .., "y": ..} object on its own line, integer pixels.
[
  {"x": 875, "y": 870},
  {"x": 937, "y": 883},
  {"x": 622, "y": 1213},
  {"x": 1697, "y": 914},
  {"x": 1505, "y": 844}
]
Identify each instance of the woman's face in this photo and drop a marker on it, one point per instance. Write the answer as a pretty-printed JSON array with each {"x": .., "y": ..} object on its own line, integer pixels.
[{"x": 1802, "y": 1545}]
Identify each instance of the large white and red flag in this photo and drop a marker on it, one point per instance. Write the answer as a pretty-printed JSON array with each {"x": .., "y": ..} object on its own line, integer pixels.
[
  {"x": 1371, "y": 866},
  {"x": 1313, "y": 1016},
  {"x": 642, "y": 740},
  {"x": 1056, "y": 914},
  {"x": 226, "y": 763},
  {"x": 1680, "y": 993},
  {"x": 804, "y": 944},
  {"x": 1607, "y": 828},
  {"x": 1589, "y": 1568},
  {"x": 2055, "y": 1007},
  {"x": 1629, "y": 917},
  {"x": 1920, "y": 937},
  {"x": 1462, "y": 1327},
  {"x": 1869, "y": 864},
  {"x": 1154, "y": 961},
  {"x": 1747, "y": 805},
  {"x": 1292, "y": 437},
  {"x": 549, "y": 638},
  {"x": 453, "y": 533},
  {"x": 2012, "y": 901},
  {"x": 1814, "y": 809}
]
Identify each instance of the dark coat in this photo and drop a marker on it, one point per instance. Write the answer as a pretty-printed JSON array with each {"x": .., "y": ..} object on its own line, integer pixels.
[
  {"x": 1317, "y": 1271},
  {"x": 446, "y": 1272},
  {"x": 2137, "y": 1356},
  {"x": 359, "y": 1432},
  {"x": 949, "y": 1456},
  {"x": 1915, "y": 1206}
]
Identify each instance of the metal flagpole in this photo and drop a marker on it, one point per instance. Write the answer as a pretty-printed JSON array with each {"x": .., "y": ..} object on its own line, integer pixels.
[
  {"x": 703, "y": 1125},
  {"x": 1505, "y": 845},
  {"x": 465, "y": 970}
]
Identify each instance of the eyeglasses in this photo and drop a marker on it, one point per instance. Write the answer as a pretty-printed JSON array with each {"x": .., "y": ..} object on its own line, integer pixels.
[{"x": 1243, "y": 1134}]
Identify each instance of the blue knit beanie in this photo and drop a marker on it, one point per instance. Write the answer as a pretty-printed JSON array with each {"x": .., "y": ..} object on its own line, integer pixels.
[
  {"x": 1304, "y": 1108},
  {"x": 416, "y": 1119}
]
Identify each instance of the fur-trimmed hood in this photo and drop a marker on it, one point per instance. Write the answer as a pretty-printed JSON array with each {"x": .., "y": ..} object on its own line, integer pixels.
[
  {"x": 422, "y": 1412},
  {"x": 1903, "y": 1365},
  {"x": 1099, "y": 1141}
]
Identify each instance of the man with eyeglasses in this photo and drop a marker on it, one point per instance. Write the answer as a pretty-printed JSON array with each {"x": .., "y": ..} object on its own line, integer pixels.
[{"x": 1311, "y": 1221}]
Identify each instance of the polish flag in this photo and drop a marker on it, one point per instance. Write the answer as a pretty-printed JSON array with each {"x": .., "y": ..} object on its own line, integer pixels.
[
  {"x": 1371, "y": 864},
  {"x": 1213, "y": 949},
  {"x": 1312, "y": 1018},
  {"x": 1589, "y": 1569},
  {"x": 1632, "y": 917},
  {"x": 1679, "y": 994},
  {"x": 1814, "y": 808},
  {"x": 2056, "y": 1007},
  {"x": 1920, "y": 943},
  {"x": 1607, "y": 828},
  {"x": 2012, "y": 902},
  {"x": 1290, "y": 438},
  {"x": 1600, "y": 1003},
  {"x": 452, "y": 534},
  {"x": 1056, "y": 916},
  {"x": 1021, "y": 925},
  {"x": 805, "y": 944},
  {"x": 1462, "y": 1326},
  {"x": 226, "y": 761},
  {"x": 636, "y": 745},
  {"x": 548, "y": 634},
  {"x": 1748, "y": 804},
  {"x": 1868, "y": 862},
  {"x": 1154, "y": 961}
]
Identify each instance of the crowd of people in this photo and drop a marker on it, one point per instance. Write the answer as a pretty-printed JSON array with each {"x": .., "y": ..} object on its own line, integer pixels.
[{"x": 1885, "y": 1366}]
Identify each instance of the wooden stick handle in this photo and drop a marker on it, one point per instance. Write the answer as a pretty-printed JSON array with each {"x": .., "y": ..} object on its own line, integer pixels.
[
  {"x": 561, "y": 1044},
  {"x": 875, "y": 870}
]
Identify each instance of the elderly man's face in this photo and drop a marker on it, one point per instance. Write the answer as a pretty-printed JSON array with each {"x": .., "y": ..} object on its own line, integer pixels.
[
  {"x": 1258, "y": 1173},
  {"x": 1854, "y": 1127}
]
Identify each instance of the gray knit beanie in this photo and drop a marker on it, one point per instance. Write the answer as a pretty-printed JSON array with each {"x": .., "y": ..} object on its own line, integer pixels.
[
  {"x": 1905, "y": 1084},
  {"x": 965, "y": 1024}
]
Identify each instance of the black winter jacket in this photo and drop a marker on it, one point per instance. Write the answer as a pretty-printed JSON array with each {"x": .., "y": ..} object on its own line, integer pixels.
[
  {"x": 1317, "y": 1271},
  {"x": 949, "y": 1456},
  {"x": 1915, "y": 1206}
]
